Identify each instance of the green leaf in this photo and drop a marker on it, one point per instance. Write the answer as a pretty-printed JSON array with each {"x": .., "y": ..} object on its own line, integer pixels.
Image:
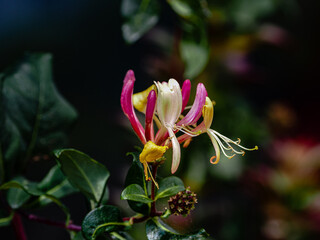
[
  {"x": 139, "y": 207},
  {"x": 194, "y": 48},
  {"x": 182, "y": 8},
  {"x": 121, "y": 236},
  {"x": 246, "y": 13},
  {"x": 157, "y": 230},
  {"x": 136, "y": 176},
  {"x": 5, "y": 220},
  {"x": 190, "y": 9},
  {"x": 103, "y": 219},
  {"x": 54, "y": 177},
  {"x": 140, "y": 16},
  {"x": 169, "y": 186},
  {"x": 83, "y": 172},
  {"x": 17, "y": 195},
  {"x": 30, "y": 189},
  {"x": 34, "y": 117},
  {"x": 105, "y": 197},
  {"x": 55, "y": 184},
  {"x": 78, "y": 236},
  {"x": 135, "y": 192}
]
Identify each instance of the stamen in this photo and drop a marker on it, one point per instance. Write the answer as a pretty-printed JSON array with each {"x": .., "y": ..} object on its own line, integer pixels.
[
  {"x": 232, "y": 149},
  {"x": 227, "y": 148},
  {"x": 228, "y": 140},
  {"x": 155, "y": 183},
  {"x": 222, "y": 147},
  {"x": 145, "y": 167},
  {"x": 187, "y": 131},
  {"x": 214, "y": 162},
  {"x": 188, "y": 107}
]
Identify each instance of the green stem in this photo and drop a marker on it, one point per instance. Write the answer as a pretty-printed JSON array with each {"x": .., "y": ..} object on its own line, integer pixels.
[
  {"x": 110, "y": 224},
  {"x": 133, "y": 220},
  {"x": 7, "y": 219}
]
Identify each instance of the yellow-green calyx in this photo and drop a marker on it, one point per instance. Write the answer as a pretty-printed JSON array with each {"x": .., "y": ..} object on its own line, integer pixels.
[
  {"x": 150, "y": 154},
  {"x": 207, "y": 113},
  {"x": 140, "y": 99}
]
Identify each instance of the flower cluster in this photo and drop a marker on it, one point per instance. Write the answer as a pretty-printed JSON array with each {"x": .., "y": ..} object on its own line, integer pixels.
[
  {"x": 183, "y": 202},
  {"x": 163, "y": 104}
]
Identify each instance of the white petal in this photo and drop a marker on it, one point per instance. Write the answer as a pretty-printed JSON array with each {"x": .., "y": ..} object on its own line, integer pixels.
[
  {"x": 169, "y": 102},
  {"x": 175, "y": 151}
]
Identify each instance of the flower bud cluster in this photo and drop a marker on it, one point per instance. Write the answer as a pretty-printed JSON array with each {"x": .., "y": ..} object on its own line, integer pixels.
[{"x": 183, "y": 202}]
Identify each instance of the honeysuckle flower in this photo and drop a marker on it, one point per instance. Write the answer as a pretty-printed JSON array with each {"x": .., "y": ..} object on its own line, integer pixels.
[
  {"x": 164, "y": 104},
  {"x": 164, "y": 107}
]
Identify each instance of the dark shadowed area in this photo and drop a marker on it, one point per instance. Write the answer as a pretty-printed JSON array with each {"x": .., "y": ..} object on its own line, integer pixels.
[{"x": 262, "y": 71}]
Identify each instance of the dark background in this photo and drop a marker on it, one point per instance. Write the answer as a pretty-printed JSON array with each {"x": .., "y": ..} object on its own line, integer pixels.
[{"x": 90, "y": 59}]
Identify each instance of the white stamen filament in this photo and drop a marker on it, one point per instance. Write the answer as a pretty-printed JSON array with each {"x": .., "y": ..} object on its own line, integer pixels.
[
  {"x": 231, "y": 148},
  {"x": 187, "y": 131},
  {"x": 188, "y": 107},
  {"x": 237, "y": 143},
  {"x": 183, "y": 129},
  {"x": 222, "y": 146}
]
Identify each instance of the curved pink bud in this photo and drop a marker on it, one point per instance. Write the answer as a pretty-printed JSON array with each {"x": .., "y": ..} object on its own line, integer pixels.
[
  {"x": 127, "y": 106},
  {"x": 185, "y": 91},
  {"x": 151, "y": 104},
  {"x": 196, "y": 110}
]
